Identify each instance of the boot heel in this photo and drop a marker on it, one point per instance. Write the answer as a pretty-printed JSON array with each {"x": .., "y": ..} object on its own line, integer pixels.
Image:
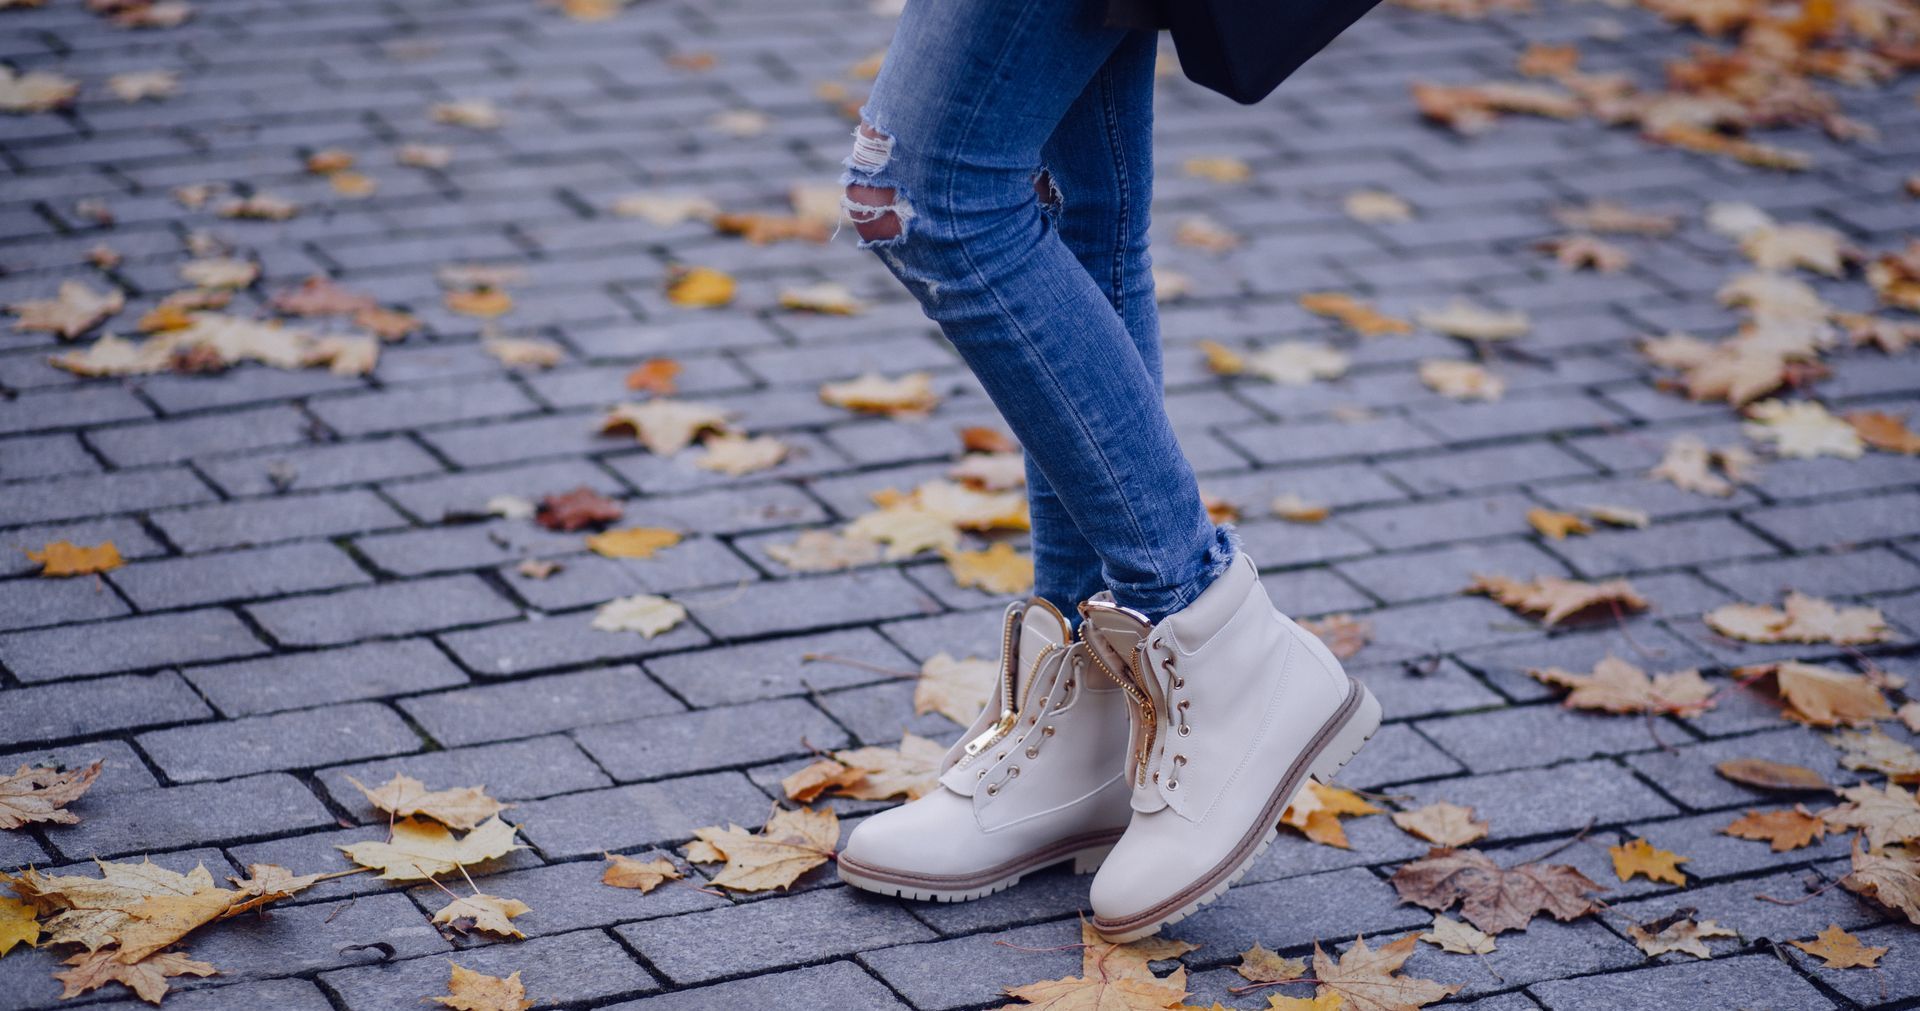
[
  {"x": 1089, "y": 860},
  {"x": 1359, "y": 729}
]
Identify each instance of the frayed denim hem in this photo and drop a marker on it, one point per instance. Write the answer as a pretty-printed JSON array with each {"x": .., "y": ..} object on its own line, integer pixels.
[{"x": 1220, "y": 553}]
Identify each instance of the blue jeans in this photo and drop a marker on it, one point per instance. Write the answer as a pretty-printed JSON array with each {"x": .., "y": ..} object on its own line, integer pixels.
[{"x": 1003, "y": 171}]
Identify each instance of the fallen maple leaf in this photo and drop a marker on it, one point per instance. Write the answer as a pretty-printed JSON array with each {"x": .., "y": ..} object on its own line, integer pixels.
[
  {"x": 1874, "y": 751},
  {"x": 998, "y": 569},
  {"x": 700, "y": 288},
  {"x": 35, "y": 91},
  {"x": 219, "y": 272},
  {"x": 148, "y": 979},
  {"x": 1493, "y": 898},
  {"x": 665, "y": 427},
  {"x": 259, "y": 207},
  {"x": 909, "y": 771},
  {"x": 764, "y": 229},
  {"x": 403, "y": 796},
  {"x": 1219, "y": 169},
  {"x": 1887, "y": 816},
  {"x": 1585, "y": 252},
  {"x": 1616, "y": 686},
  {"x": 807, "y": 784},
  {"x": 1316, "y": 812},
  {"x": 1442, "y": 823},
  {"x": 1465, "y": 320},
  {"x": 1801, "y": 618},
  {"x": 1365, "y": 978},
  {"x": 735, "y": 455},
  {"x": 483, "y": 303},
  {"x": 140, "y": 85},
  {"x": 1263, "y": 966},
  {"x": 990, "y": 471},
  {"x": 269, "y": 883},
  {"x": 829, "y": 297},
  {"x": 1557, "y": 525},
  {"x": 1620, "y": 516},
  {"x": 1376, "y": 206},
  {"x": 1461, "y": 380},
  {"x": 1353, "y": 313},
  {"x": 633, "y": 542},
  {"x": 906, "y": 529},
  {"x": 1688, "y": 463},
  {"x": 1803, "y": 429},
  {"x": 523, "y": 352},
  {"x": 72, "y": 312},
  {"x": 1556, "y": 599},
  {"x": 1638, "y": 856},
  {"x": 1883, "y": 431},
  {"x": 419, "y": 849},
  {"x": 423, "y": 155},
  {"x": 65, "y": 558},
  {"x": 1891, "y": 878},
  {"x": 981, "y": 439},
  {"x": 1782, "y": 830},
  {"x": 573, "y": 510},
  {"x": 1770, "y": 775},
  {"x": 1342, "y": 634},
  {"x": 1294, "y": 509},
  {"x": 1683, "y": 935},
  {"x": 1821, "y": 696},
  {"x": 34, "y": 795},
  {"x": 1895, "y": 277},
  {"x": 472, "y": 991},
  {"x": 641, "y": 875},
  {"x": 472, "y": 113},
  {"x": 18, "y": 924},
  {"x": 480, "y": 911},
  {"x": 157, "y": 921},
  {"x": 1838, "y": 949},
  {"x": 655, "y": 375},
  {"x": 791, "y": 843},
  {"x": 1473, "y": 108},
  {"x": 1198, "y": 231},
  {"x": 825, "y": 551},
  {"x": 644, "y": 613},
  {"x": 87, "y": 911},
  {"x": 1449, "y": 934},
  {"x": 956, "y": 689},
  {"x": 1113, "y": 977},
  {"x": 910, "y": 394}
]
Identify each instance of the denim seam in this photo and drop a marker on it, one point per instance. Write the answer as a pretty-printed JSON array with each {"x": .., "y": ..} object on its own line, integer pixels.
[
  {"x": 1116, "y": 148},
  {"x": 1045, "y": 367}
]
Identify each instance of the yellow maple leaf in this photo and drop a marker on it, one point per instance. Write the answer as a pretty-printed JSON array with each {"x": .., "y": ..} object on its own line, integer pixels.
[
  {"x": 39, "y": 794},
  {"x": 791, "y": 843},
  {"x": 1638, "y": 856},
  {"x": 1442, "y": 823},
  {"x": 474, "y": 991},
  {"x": 1800, "y": 618},
  {"x": 1353, "y": 313},
  {"x": 956, "y": 689},
  {"x": 1556, "y": 599},
  {"x": 1781, "y": 830},
  {"x": 700, "y": 288},
  {"x": 403, "y": 796},
  {"x": 1557, "y": 525},
  {"x": 908, "y": 771},
  {"x": 147, "y": 979},
  {"x": 664, "y": 426},
  {"x": 423, "y": 849},
  {"x": 159, "y": 920},
  {"x": 1365, "y": 977},
  {"x": 808, "y": 783},
  {"x": 1316, "y": 813},
  {"x": 633, "y": 542},
  {"x": 480, "y": 911},
  {"x": 641, "y": 875},
  {"x": 86, "y": 911},
  {"x": 906, "y": 530},
  {"x": 485, "y": 303},
  {"x": 1838, "y": 949},
  {"x": 998, "y": 569},
  {"x": 18, "y": 924}
]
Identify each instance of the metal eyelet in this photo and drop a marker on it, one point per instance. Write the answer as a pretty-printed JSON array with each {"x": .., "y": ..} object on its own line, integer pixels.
[
  {"x": 1013, "y": 773},
  {"x": 1033, "y": 750},
  {"x": 1179, "y": 761},
  {"x": 1183, "y": 729}
]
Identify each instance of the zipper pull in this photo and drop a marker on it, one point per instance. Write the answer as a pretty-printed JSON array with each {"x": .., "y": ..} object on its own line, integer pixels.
[{"x": 993, "y": 733}]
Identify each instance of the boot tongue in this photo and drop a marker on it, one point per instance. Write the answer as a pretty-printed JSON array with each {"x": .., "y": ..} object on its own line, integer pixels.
[
  {"x": 1113, "y": 632},
  {"x": 1040, "y": 626}
]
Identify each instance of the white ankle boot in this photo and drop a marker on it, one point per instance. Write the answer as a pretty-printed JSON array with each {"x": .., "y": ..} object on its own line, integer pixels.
[
  {"x": 1234, "y": 706},
  {"x": 1036, "y": 780}
]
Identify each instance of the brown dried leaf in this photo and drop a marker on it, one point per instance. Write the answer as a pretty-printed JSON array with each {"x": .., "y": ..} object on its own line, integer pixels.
[
  {"x": 1838, "y": 949},
  {"x": 700, "y": 288},
  {"x": 1782, "y": 830},
  {"x": 1604, "y": 217},
  {"x": 1801, "y": 619},
  {"x": 480, "y": 911},
  {"x": 1874, "y": 751},
  {"x": 1343, "y": 635},
  {"x": 641, "y": 875},
  {"x": 1316, "y": 812},
  {"x": 1887, "y": 816},
  {"x": 148, "y": 979},
  {"x": 75, "y": 310},
  {"x": 1294, "y": 509},
  {"x": 1638, "y": 856},
  {"x": 1585, "y": 252},
  {"x": 1616, "y": 686},
  {"x": 789, "y": 845},
  {"x": 1891, "y": 878},
  {"x": 910, "y": 394},
  {"x": 1493, "y": 898},
  {"x": 665, "y": 427},
  {"x": 909, "y": 771},
  {"x": 1802, "y": 429},
  {"x": 1467, "y": 321},
  {"x": 1443, "y": 824},
  {"x": 807, "y": 784},
  {"x": 655, "y": 375},
  {"x": 418, "y": 849},
  {"x": 1365, "y": 978},
  {"x": 159, "y": 920},
  {"x": 1682, "y": 935},
  {"x": 1449, "y": 934},
  {"x": 574, "y": 510},
  {"x": 1765, "y": 774},
  {"x": 1461, "y": 380},
  {"x": 65, "y": 558},
  {"x": 824, "y": 551},
  {"x": 1886, "y": 432},
  {"x": 1556, "y": 599},
  {"x": 1557, "y": 525},
  {"x": 37, "y": 795},
  {"x": 1353, "y": 313},
  {"x": 403, "y": 796},
  {"x": 1263, "y": 966},
  {"x": 472, "y": 991},
  {"x": 998, "y": 569},
  {"x": 633, "y": 542},
  {"x": 829, "y": 297}
]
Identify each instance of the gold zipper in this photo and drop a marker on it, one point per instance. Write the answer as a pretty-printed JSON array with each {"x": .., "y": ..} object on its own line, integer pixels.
[
  {"x": 1008, "y": 714},
  {"x": 1136, "y": 694}
]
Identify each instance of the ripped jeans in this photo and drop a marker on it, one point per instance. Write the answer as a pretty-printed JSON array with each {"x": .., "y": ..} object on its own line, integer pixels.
[{"x": 1003, "y": 170}]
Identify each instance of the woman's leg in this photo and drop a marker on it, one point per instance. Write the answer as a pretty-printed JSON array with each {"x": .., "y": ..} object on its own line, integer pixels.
[
  {"x": 1097, "y": 184},
  {"x": 941, "y": 185}
]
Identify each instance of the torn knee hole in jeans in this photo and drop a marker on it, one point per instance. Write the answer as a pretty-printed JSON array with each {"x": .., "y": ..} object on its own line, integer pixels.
[
  {"x": 1047, "y": 190},
  {"x": 877, "y": 211}
]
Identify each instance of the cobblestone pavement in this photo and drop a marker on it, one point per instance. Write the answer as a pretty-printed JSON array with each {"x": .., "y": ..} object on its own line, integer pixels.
[{"x": 295, "y": 609}]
